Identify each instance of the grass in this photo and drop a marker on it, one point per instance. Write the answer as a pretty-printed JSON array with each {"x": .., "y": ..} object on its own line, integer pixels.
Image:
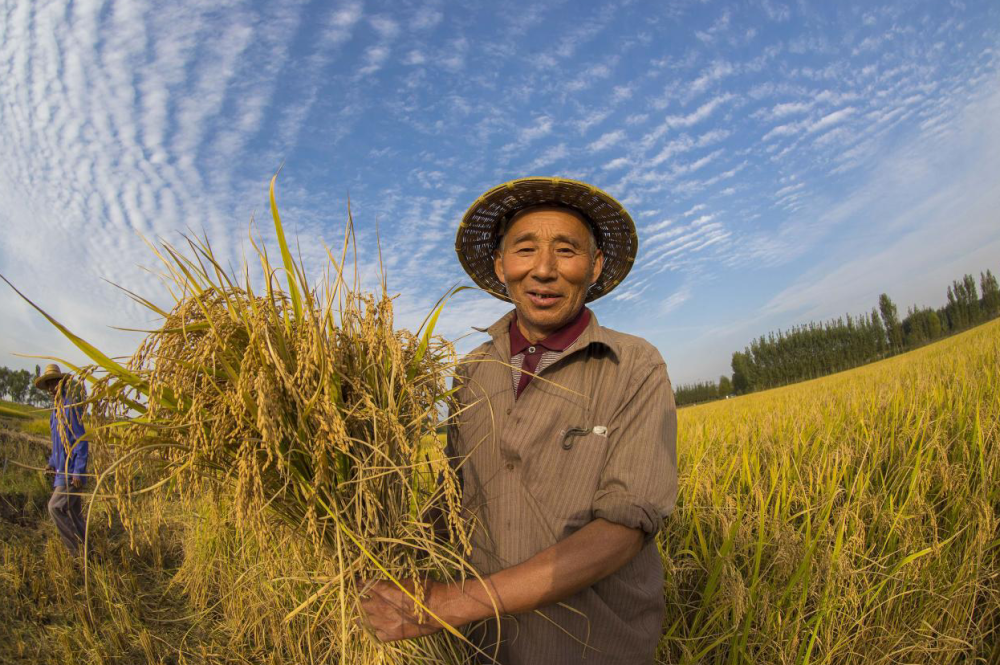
[{"x": 24, "y": 418}]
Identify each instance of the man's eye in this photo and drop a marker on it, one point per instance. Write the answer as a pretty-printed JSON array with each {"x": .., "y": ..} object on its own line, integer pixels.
[{"x": 524, "y": 250}]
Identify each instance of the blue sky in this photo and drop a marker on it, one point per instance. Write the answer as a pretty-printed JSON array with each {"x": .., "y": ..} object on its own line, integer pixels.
[{"x": 784, "y": 161}]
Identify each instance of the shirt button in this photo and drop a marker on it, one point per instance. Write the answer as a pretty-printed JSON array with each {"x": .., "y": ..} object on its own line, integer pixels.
[
  {"x": 510, "y": 466},
  {"x": 531, "y": 349},
  {"x": 508, "y": 411}
]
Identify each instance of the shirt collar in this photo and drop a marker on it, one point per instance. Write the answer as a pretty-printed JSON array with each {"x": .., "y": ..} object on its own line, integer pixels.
[
  {"x": 557, "y": 341},
  {"x": 593, "y": 333}
]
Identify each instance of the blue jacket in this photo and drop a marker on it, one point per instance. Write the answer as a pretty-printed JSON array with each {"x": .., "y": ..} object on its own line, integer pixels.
[{"x": 74, "y": 443}]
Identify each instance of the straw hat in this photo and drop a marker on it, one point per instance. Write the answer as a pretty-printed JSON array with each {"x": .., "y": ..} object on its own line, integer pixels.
[
  {"x": 51, "y": 372},
  {"x": 486, "y": 220}
]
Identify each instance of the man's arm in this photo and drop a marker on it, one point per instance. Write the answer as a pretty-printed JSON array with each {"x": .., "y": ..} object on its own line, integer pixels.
[
  {"x": 55, "y": 441},
  {"x": 638, "y": 488},
  {"x": 554, "y": 574}
]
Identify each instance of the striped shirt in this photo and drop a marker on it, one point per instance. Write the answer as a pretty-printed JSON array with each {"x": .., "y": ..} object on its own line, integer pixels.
[{"x": 592, "y": 436}]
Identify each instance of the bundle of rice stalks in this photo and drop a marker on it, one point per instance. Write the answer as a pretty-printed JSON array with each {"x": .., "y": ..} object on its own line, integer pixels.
[{"x": 305, "y": 405}]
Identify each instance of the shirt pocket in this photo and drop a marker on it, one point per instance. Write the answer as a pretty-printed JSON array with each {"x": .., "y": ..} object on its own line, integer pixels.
[{"x": 566, "y": 471}]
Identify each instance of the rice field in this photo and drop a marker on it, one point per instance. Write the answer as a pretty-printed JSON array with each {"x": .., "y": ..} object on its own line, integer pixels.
[
  {"x": 264, "y": 453},
  {"x": 850, "y": 519}
]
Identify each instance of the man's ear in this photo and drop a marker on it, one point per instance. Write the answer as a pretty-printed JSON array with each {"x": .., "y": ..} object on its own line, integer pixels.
[
  {"x": 498, "y": 267},
  {"x": 598, "y": 266}
]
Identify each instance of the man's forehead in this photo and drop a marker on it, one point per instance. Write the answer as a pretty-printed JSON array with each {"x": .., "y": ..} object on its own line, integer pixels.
[
  {"x": 548, "y": 208},
  {"x": 546, "y": 217}
]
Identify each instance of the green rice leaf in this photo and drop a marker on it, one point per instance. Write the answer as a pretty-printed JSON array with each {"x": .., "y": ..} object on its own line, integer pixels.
[{"x": 286, "y": 256}]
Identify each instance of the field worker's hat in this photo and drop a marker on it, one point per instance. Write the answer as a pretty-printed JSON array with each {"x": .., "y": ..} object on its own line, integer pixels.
[
  {"x": 51, "y": 373},
  {"x": 486, "y": 221}
]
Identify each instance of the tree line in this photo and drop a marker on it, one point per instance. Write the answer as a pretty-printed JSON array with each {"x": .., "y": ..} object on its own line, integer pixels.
[
  {"x": 812, "y": 350},
  {"x": 18, "y": 385}
]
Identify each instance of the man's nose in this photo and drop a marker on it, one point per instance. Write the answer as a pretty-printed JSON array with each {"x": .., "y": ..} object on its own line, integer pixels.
[{"x": 545, "y": 267}]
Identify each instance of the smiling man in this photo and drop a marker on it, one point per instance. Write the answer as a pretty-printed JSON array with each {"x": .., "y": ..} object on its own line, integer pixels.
[{"x": 566, "y": 436}]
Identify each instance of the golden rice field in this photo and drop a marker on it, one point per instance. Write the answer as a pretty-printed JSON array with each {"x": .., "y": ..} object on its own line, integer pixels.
[{"x": 851, "y": 519}]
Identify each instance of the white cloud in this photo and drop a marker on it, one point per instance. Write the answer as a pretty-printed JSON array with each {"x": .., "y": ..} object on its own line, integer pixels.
[
  {"x": 675, "y": 300},
  {"x": 415, "y": 57},
  {"x": 691, "y": 167},
  {"x": 526, "y": 135},
  {"x": 375, "y": 57},
  {"x": 775, "y": 10},
  {"x": 830, "y": 119},
  {"x": 679, "y": 121},
  {"x": 453, "y": 56},
  {"x": 788, "y": 189},
  {"x": 659, "y": 226},
  {"x": 342, "y": 19},
  {"x": 427, "y": 17},
  {"x": 548, "y": 157},
  {"x": 781, "y": 130},
  {"x": 541, "y": 128},
  {"x": 587, "y": 78},
  {"x": 590, "y": 120},
  {"x": 717, "y": 71},
  {"x": 713, "y": 136},
  {"x": 387, "y": 28},
  {"x": 617, "y": 163},
  {"x": 621, "y": 93},
  {"x": 720, "y": 26},
  {"x": 790, "y": 108},
  {"x": 607, "y": 140}
]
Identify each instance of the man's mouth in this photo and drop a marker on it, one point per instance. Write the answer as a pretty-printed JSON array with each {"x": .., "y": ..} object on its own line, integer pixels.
[{"x": 543, "y": 298}]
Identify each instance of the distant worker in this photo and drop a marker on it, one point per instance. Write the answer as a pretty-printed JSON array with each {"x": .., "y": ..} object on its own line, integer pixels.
[{"x": 68, "y": 462}]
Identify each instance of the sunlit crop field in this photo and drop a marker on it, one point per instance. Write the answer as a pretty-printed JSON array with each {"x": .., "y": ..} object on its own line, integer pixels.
[{"x": 850, "y": 519}]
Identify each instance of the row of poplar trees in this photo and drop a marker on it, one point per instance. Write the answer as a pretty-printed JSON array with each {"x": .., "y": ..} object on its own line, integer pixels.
[{"x": 815, "y": 349}]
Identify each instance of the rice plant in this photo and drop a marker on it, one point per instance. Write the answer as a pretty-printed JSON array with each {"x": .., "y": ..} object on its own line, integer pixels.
[{"x": 292, "y": 403}]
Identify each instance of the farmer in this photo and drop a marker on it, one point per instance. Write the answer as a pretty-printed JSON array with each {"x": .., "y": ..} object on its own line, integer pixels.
[
  {"x": 68, "y": 462},
  {"x": 567, "y": 443}
]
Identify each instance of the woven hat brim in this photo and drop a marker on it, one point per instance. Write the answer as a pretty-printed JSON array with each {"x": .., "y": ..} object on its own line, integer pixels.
[
  {"x": 476, "y": 240},
  {"x": 45, "y": 378}
]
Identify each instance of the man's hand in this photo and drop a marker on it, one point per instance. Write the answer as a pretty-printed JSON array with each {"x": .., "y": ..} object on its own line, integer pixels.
[
  {"x": 553, "y": 575},
  {"x": 392, "y": 615},
  {"x": 76, "y": 484},
  {"x": 50, "y": 470}
]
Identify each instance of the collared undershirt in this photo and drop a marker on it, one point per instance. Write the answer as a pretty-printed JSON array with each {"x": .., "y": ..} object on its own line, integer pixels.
[{"x": 527, "y": 357}]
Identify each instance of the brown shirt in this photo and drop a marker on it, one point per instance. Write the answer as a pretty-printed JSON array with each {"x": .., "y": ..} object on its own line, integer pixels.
[{"x": 594, "y": 435}]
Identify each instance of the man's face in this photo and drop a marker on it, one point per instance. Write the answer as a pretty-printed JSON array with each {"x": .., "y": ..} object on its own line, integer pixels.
[
  {"x": 547, "y": 265},
  {"x": 51, "y": 385}
]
